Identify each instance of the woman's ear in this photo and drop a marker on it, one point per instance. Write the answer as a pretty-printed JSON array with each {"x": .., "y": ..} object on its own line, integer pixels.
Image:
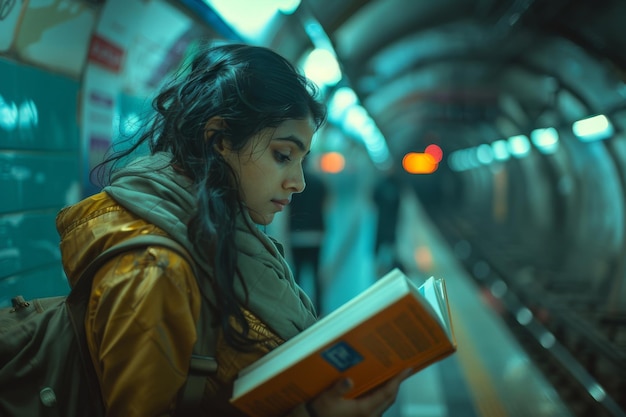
[{"x": 215, "y": 125}]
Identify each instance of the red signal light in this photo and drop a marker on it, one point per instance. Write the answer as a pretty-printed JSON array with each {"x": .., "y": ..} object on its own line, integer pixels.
[{"x": 435, "y": 151}]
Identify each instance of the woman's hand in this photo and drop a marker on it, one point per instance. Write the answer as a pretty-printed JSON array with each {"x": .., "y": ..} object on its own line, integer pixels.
[{"x": 331, "y": 403}]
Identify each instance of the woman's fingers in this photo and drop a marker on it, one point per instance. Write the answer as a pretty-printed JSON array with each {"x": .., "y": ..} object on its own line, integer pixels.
[
  {"x": 339, "y": 389},
  {"x": 384, "y": 396},
  {"x": 333, "y": 402}
]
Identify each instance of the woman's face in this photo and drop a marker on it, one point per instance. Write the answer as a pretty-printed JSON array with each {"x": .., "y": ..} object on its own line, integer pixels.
[{"x": 269, "y": 167}]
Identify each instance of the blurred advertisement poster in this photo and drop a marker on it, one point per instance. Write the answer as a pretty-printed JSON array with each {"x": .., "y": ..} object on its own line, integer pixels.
[
  {"x": 129, "y": 54},
  {"x": 105, "y": 54},
  {"x": 53, "y": 34}
]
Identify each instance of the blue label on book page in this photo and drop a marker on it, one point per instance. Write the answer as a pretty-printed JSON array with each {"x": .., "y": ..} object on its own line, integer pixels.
[{"x": 342, "y": 356}]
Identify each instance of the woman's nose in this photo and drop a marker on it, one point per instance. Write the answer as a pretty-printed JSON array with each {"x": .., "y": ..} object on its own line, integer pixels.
[{"x": 296, "y": 181}]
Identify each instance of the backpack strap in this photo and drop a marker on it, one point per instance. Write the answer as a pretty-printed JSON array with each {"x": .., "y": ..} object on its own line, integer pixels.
[{"x": 201, "y": 365}]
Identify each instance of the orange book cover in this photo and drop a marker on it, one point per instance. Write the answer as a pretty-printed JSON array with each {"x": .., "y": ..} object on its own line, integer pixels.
[{"x": 391, "y": 326}]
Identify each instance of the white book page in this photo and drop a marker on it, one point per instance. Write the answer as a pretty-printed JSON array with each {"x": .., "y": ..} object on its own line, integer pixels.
[{"x": 430, "y": 290}]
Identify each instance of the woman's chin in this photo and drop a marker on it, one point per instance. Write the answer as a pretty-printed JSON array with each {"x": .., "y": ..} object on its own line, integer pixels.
[{"x": 262, "y": 220}]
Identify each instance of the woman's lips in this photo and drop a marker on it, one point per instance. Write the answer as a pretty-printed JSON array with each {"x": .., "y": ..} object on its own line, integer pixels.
[{"x": 280, "y": 204}]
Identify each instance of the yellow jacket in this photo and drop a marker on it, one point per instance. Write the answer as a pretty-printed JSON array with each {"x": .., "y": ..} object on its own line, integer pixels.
[{"x": 140, "y": 323}]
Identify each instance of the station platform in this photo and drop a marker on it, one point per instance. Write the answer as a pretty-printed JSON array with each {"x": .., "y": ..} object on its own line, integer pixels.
[{"x": 490, "y": 375}]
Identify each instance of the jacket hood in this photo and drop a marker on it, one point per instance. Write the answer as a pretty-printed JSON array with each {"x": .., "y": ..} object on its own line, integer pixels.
[{"x": 150, "y": 192}]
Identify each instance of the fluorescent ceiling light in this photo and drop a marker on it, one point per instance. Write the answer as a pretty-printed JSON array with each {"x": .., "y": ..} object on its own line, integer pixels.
[
  {"x": 593, "y": 128},
  {"x": 545, "y": 140},
  {"x": 519, "y": 146},
  {"x": 500, "y": 150},
  {"x": 341, "y": 100},
  {"x": 484, "y": 154},
  {"x": 248, "y": 18},
  {"x": 322, "y": 67}
]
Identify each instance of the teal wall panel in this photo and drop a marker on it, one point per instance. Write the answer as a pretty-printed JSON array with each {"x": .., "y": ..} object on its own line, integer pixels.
[
  {"x": 28, "y": 241},
  {"x": 39, "y": 174},
  {"x": 38, "y": 109},
  {"x": 36, "y": 181},
  {"x": 8, "y": 107}
]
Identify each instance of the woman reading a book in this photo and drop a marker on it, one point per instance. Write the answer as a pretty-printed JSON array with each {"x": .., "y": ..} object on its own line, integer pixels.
[{"x": 221, "y": 156}]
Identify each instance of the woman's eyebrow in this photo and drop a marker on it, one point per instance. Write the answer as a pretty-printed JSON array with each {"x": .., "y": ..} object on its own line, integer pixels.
[{"x": 299, "y": 144}]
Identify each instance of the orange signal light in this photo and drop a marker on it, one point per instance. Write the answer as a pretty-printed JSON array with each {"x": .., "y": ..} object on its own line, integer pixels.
[
  {"x": 332, "y": 162},
  {"x": 419, "y": 163}
]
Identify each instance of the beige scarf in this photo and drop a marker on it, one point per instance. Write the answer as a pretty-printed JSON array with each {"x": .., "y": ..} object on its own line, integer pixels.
[{"x": 150, "y": 188}]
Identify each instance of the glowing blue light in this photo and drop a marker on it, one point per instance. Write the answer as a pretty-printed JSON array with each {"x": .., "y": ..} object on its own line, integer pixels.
[
  {"x": 500, "y": 150},
  {"x": 484, "y": 154},
  {"x": 545, "y": 140},
  {"x": 249, "y": 18},
  {"x": 464, "y": 159},
  {"x": 519, "y": 146},
  {"x": 341, "y": 100},
  {"x": 321, "y": 67},
  {"x": 593, "y": 128}
]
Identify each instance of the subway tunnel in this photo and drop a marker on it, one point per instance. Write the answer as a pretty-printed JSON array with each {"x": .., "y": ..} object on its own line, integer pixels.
[{"x": 522, "y": 210}]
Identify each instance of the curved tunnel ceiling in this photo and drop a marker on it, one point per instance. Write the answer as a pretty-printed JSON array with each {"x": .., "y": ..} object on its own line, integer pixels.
[
  {"x": 530, "y": 63},
  {"x": 468, "y": 74},
  {"x": 465, "y": 74}
]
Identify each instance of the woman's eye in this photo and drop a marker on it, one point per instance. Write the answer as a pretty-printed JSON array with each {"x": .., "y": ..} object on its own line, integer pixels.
[{"x": 281, "y": 157}]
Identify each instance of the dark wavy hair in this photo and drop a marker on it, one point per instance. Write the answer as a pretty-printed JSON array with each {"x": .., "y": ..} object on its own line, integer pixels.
[{"x": 249, "y": 88}]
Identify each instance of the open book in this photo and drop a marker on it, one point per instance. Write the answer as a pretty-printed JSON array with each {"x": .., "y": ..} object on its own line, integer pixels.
[{"x": 391, "y": 326}]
